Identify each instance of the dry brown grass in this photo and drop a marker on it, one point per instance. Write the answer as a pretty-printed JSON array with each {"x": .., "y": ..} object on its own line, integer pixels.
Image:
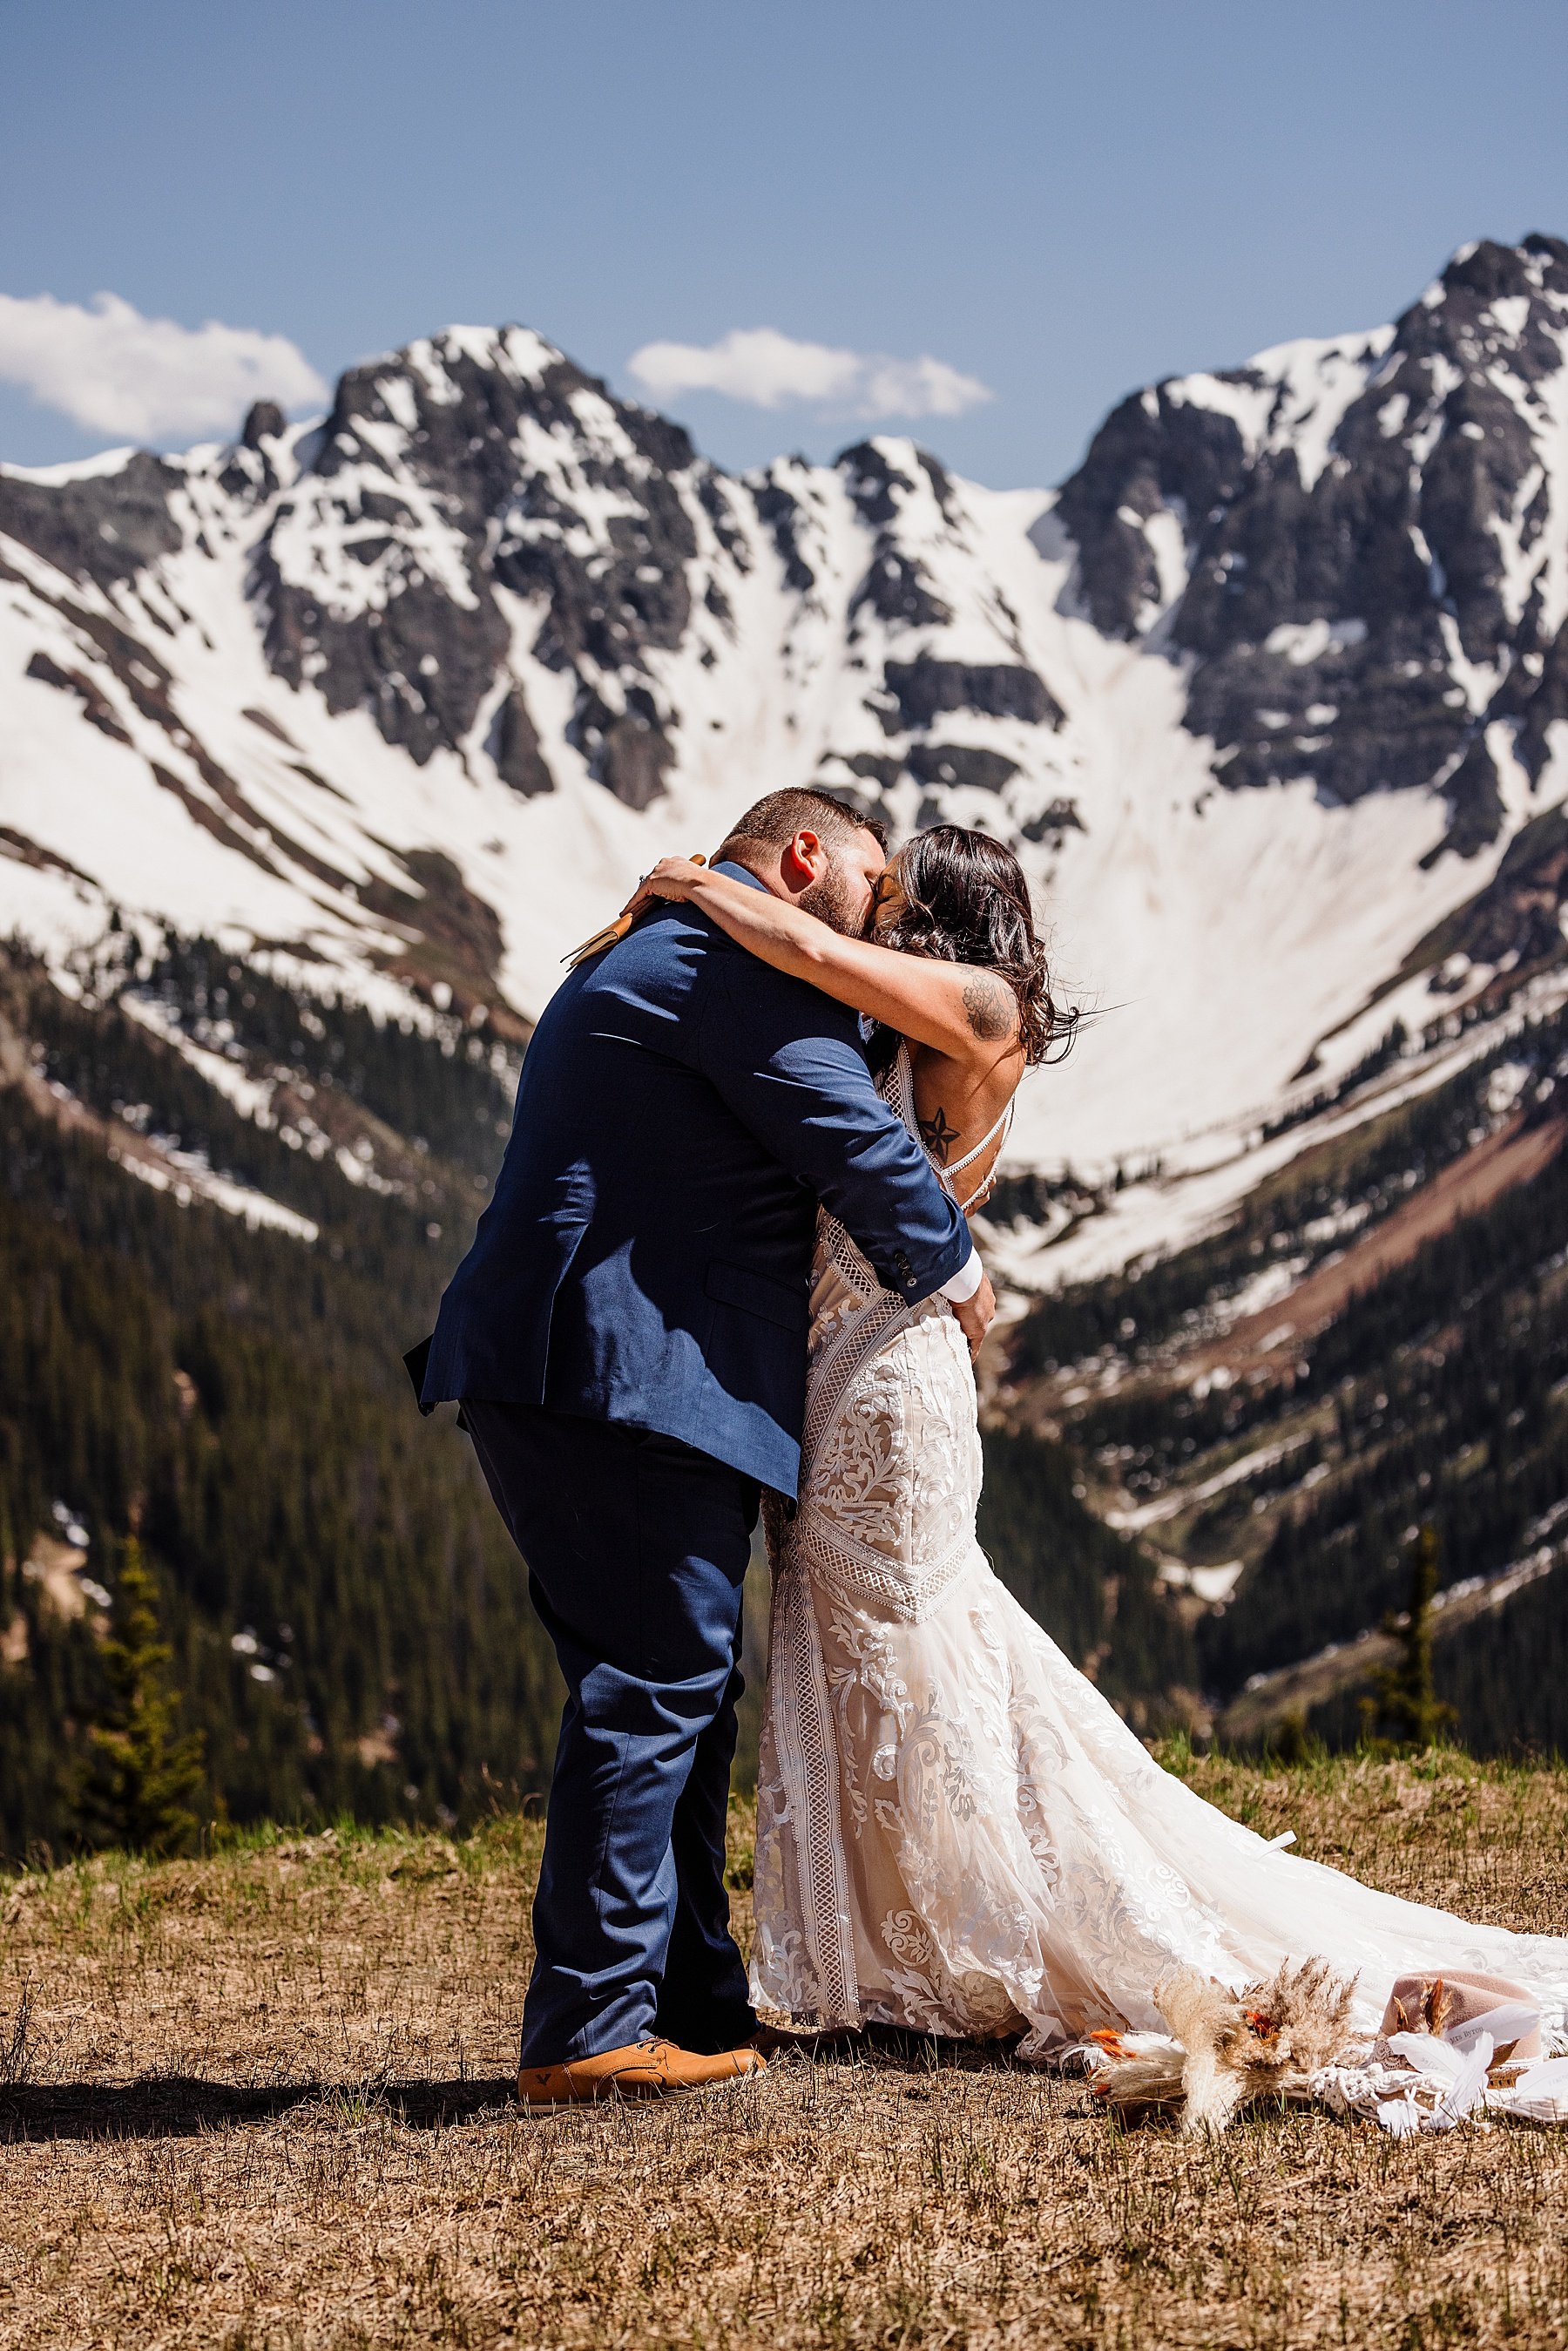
[{"x": 263, "y": 2100}]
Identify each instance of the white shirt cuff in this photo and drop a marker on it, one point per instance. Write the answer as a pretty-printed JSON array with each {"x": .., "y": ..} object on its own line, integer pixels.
[{"x": 966, "y": 1280}]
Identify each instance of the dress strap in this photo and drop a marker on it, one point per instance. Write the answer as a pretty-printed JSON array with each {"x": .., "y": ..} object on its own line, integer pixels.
[
  {"x": 946, "y": 1174},
  {"x": 1002, "y": 1126}
]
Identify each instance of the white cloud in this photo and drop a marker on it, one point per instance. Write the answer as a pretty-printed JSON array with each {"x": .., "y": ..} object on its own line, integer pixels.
[
  {"x": 760, "y": 365},
  {"x": 113, "y": 372}
]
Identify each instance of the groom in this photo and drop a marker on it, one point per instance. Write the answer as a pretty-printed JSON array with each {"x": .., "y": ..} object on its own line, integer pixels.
[{"x": 628, "y": 1340}]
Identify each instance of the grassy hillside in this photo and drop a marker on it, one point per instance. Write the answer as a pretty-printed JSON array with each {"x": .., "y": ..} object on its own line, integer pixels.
[{"x": 263, "y": 2098}]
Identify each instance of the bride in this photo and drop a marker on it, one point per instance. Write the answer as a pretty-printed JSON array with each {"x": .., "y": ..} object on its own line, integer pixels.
[{"x": 956, "y": 1833}]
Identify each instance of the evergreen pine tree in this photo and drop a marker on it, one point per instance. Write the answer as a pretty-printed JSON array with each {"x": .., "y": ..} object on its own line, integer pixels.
[
  {"x": 139, "y": 1779},
  {"x": 1405, "y": 1697}
]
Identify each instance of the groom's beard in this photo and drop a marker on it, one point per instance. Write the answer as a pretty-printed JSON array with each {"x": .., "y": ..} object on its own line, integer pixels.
[{"x": 841, "y": 900}]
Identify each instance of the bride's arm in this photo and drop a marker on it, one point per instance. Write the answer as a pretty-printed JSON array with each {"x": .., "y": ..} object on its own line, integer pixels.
[{"x": 954, "y": 1007}]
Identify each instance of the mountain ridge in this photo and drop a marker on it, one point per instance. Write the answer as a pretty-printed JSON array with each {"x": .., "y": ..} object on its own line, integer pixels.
[{"x": 1270, "y": 696}]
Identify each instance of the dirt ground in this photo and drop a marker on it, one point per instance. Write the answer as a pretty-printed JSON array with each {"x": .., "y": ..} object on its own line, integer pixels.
[{"x": 265, "y": 2099}]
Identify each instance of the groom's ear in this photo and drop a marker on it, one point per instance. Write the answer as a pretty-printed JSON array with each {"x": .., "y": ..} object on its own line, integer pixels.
[{"x": 802, "y": 860}]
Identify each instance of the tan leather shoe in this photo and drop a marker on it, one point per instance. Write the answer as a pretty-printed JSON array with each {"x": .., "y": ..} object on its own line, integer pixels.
[{"x": 644, "y": 2069}]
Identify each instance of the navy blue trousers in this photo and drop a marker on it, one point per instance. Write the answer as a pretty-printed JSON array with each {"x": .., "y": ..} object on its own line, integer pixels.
[{"x": 637, "y": 1549}]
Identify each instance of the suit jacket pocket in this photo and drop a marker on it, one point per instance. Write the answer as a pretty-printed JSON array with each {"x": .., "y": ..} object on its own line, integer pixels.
[{"x": 759, "y": 1295}]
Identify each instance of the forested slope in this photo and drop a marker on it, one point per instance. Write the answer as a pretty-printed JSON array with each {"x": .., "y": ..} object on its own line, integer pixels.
[
  {"x": 350, "y": 1623},
  {"x": 1279, "y": 1461}
]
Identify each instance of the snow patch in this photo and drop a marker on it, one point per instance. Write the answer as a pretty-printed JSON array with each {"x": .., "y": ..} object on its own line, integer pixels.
[{"x": 186, "y": 1177}]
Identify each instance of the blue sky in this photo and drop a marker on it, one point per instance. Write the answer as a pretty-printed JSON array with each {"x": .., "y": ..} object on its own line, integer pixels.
[{"x": 1054, "y": 203}]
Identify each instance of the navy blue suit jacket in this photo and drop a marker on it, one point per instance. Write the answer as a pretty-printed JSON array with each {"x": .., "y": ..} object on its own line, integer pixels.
[{"x": 646, "y": 1255}]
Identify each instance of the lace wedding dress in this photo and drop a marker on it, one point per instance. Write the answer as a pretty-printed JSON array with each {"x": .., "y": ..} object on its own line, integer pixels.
[{"x": 956, "y": 1833}]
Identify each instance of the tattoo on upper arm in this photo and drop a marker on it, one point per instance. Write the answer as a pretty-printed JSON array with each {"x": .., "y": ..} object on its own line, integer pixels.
[
  {"x": 990, "y": 1005},
  {"x": 937, "y": 1135}
]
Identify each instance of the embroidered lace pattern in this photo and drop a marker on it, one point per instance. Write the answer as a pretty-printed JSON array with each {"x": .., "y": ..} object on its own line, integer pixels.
[{"x": 956, "y": 1833}]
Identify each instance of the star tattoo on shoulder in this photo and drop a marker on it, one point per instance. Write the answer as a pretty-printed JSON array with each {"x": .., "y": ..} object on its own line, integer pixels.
[{"x": 937, "y": 1135}]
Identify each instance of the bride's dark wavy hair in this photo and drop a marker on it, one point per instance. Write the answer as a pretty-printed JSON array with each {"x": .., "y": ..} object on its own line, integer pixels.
[{"x": 966, "y": 900}]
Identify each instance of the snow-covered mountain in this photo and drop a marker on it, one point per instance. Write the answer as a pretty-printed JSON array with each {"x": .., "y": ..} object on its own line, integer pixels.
[{"x": 1271, "y": 696}]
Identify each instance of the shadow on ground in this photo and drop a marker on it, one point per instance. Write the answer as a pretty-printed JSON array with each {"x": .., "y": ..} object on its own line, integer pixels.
[{"x": 177, "y": 2105}]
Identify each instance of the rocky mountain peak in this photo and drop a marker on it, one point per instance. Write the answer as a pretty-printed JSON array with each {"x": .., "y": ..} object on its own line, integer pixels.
[
  {"x": 472, "y": 467},
  {"x": 1356, "y": 545}
]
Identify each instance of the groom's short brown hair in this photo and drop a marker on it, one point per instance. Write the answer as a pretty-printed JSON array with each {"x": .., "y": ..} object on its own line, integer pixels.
[{"x": 773, "y": 822}]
